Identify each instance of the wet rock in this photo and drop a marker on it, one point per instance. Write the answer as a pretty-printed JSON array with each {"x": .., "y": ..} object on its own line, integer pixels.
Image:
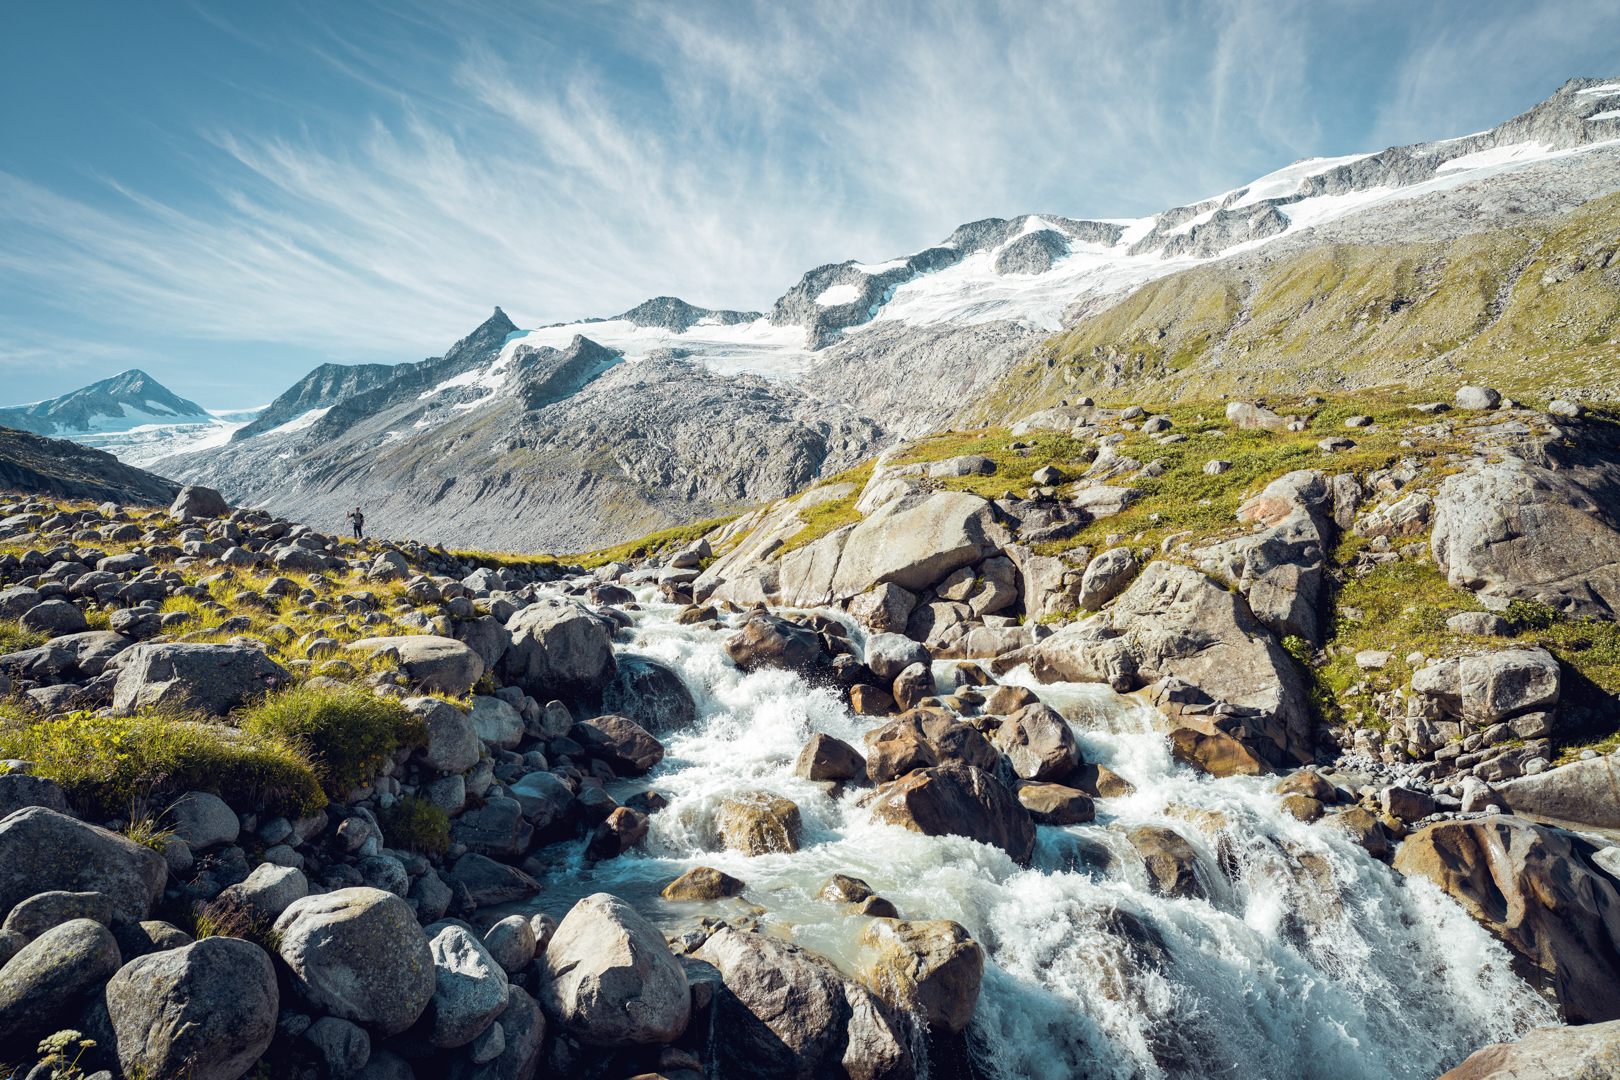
[
  {"x": 932, "y": 968},
  {"x": 1101, "y": 782},
  {"x": 1005, "y": 700},
  {"x": 1054, "y": 804},
  {"x": 1582, "y": 793},
  {"x": 1587, "y": 1052},
  {"x": 42, "y": 851},
  {"x": 206, "y": 1011},
  {"x": 622, "y": 830},
  {"x": 452, "y": 745},
  {"x": 619, "y": 741},
  {"x": 912, "y": 685},
  {"x": 843, "y": 889},
  {"x": 1363, "y": 828},
  {"x": 608, "y": 978},
  {"x": 894, "y": 753},
  {"x": 558, "y": 648},
  {"x": 43, "y": 985},
  {"x": 768, "y": 641},
  {"x": 469, "y": 989},
  {"x": 429, "y": 661},
  {"x": 1309, "y": 784},
  {"x": 1528, "y": 885},
  {"x": 1171, "y": 862},
  {"x": 1039, "y": 744},
  {"x": 1405, "y": 804},
  {"x": 649, "y": 693},
  {"x": 759, "y": 823},
  {"x": 957, "y": 800},
  {"x": 213, "y": 678},
  {"x": 884, "y": 609},
  {"x": 871, "y": 701},
  {"x": 890, "y": 654},
  {"x": 359, "y": 954},
  {"x": 703, "y": 883},
  {"x": 1302, "y": 807},
  {"x": 45, "y": 910},
  {"x": 827, "y": 758}
]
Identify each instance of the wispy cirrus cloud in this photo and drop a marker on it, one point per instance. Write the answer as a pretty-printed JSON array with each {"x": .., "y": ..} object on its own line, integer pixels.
[{"x": 572, "y": 160}]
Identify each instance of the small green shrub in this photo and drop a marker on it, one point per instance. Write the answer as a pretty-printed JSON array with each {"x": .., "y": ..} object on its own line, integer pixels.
[
  {"x": 1319, "y": 695},
  {"x": 13, "y": 638},
  {"x": 348, "y": 734},
  {"x": 415, "y": 824},
  {"x": 1529, "y": 615},
  {"x": 222, "y": 918},
  {"x": 105, "y": 765}
]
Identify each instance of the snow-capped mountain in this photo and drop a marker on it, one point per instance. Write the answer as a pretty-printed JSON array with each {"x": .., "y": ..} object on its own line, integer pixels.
[{"x": 569, "y": 436}]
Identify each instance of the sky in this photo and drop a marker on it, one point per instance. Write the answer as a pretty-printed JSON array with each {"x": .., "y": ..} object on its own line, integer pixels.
[{"x": 227, "y": 195}]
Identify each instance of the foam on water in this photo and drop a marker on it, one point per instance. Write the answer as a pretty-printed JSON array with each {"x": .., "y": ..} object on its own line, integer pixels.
[{"x": 1308, "y": 959}]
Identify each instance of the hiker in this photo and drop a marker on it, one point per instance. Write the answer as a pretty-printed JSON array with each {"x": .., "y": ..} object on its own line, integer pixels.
[{"x": 359, "y": 521}]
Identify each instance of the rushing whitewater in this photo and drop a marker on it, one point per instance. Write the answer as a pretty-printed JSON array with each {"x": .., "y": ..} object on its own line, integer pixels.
[{"x": 1310, "y": 958}]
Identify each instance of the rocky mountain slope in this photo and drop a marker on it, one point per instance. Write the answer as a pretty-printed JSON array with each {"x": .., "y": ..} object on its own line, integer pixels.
[
  {"x": 64, "y": 469},
  {"x": 1489, "y": 257}
]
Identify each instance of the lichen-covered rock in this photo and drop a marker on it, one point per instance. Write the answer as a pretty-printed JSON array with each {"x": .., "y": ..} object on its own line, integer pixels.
[
  {"x": 18, "y": 790},
  {"x": 359, "y": 954},
  {"x": 43, "y": 985},
  {"x": 608, "y": 978},
  {"x": 510, "y": 943},
  {"x": 145, "y": 938},
  {"x": 40, "y": 912},
  {"x": 42, "y": 850},
  {"x": 203, "y": 1012},
  {"x": 469, "y": 989},
  {"x": 496, "y": 722},
  {"x": 452, "y": 745},
  {"x": 429, "y": 661},
  {"x": 214, "y": 678},
  {"x": 932, "y": 968},
  {"x": 558, "y": 648}
]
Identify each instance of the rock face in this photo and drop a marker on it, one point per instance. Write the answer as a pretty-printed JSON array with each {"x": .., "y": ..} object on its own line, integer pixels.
[
  {"x": 215, "y": 678},
  {"x": 558, "y": 650},
  {"x": 957, "y": 800},
  {"x": 608, "y": 979},
  {"x": 42, "y": 850},
  {"x": 786, "y": 1012},
  {"x": 359, "y": 954},
  {"x": 1174, "y": 621},
  {"x": 1529, "y": 886},
  {"x": 1544, "y": 532},
  {"x": 932, "y": 968},
  {"x": 1591, "y": 1053},
  {"x": 206, "y": 1011},
  {"x": 429, "y": 661},
  {"x": 43, "y": 985},
  {"x": 1583, "y": 793}
]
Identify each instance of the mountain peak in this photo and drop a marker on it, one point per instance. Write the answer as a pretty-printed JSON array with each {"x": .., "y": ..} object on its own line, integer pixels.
[{"x": 131, "y": 398}]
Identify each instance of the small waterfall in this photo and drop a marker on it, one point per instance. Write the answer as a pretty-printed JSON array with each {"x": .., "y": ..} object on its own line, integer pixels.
[{"x": 1308, "y": 959}]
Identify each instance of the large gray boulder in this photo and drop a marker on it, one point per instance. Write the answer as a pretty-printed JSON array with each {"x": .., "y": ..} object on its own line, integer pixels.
[
  {"x": 608, "y": 978},
  {"x": 469, "y": 989},
  {"x": 784, "y": 1011},
  {"x": 1488, "y": 688},
  {"x": 1516, "y": 530},
  {"x": 496, "y": 722},
  {"x": 359, "y": 954},
  {"x": 452, "y": 745},
  {"x": 650, "y": 693},
  {"x": 196, "y": 502},
  {"x": 558, "y": 649},
  {"x": 890, "y": 654},
  {"x": 345, "y": 1047},
  {"x": 544, "y": 798},
  {"x": 42, "y": 911},
  {"x": 1106, "y": 577},
  {"x": 495, "y": 829},
  {"x": 42, "y": 850},
  {"x": 1582, "y": 793},
  {"x": 486, "y": 636},
  {"x": 54, "y": 617},
  {"x": 1174, "y": 621},
  {"x": 203, "y": 1012},
  {"x": 214, "y": 678},
  {"x": 429, "y": 661},
  {"x": 18, "y": 790},
  {"x": 269, "y": 890},
  {"x": 43, "y": 985},
  {"x": 204, "y": 820},
  {"x": 16, "y": 600},
  {"x": 916, "y": 540},
  {"x": 957, "y": 799},
  {"x": 92, "y": 649},
  {"x": 884, "y": 609}
]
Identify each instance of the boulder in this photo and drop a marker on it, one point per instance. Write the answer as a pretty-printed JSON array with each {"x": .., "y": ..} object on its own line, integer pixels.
[
  {"x": 42, "y": 987},
  {"x": 932, "y": 969},
  {"x": 18, "y": 790},
  {"x": 867, "y": 700},
  {"x": 622, "y": 830},
  {"x": 890, "y": 654},
  {"x": 650, "y": 693},
  {"x": 783, "y": 1011},
  {"x": 1039, "y": 744},
  {"x": 957, "y": 800},
  {"x": 1004, "y": 700},
  {"x": 1171, "y": 862},
  {"x": 345, "y": 1047},
  {"x": 496, "y": 722},
  {"x": 1477, "y": 398},
  {"x": 1102, "y": 500},
  {"x": 145, "y": 938},
  {"x": 608, "y": 978},
  {"x": 1106, "y": 577},
  {"x": 359, "y": 954},
  {"x": 429, "y": 661},
  {"x": 195, "y": 502},
  {"x": 883, "y": 610},
  {"x": 619, "y": 741},
  {"x": 203, "y": 820},
  {"x": 488, "y": 882},
  {"x": 54, "y": 617},
  {"x": 214, "y": 678},
  {"x": 544, "y": 799},
  {"x": 1054, "y": 804},
  {"x": 45, "y": 910},
  {"x": 1507, "y": 682},
  {"x": 1245, "y": 415},
  {"x": 915, "y": 540},
  {"x": 1590, "y": 1053},
  {"x": 469, "y": 989},
  {"x": 511, "y": 943},
  {"x": 1363, "y": 828},
  {"x": 487, "y": 636},
  {"x": 497, "y": 829},
  {"x": 912, "y": 685},
  {"x": 1583, "y": 793},
  {"x": 1404, "y": 804},
  {"x": 206, "y": 1011},
  {"x": 17, "y": 600},
  {"x": 1479, "y": 624},
  {"x": 1529, "y": 886},
  {"x": 770, "y": 641},
  {"x": 759, "y": 823},
  {"x": 1175, "y": 621},
  {"x": 42, "y": 850},
  {"x": 558, "y": 649},
  {"x": 92, "y": 649},
  {"x": 452, "y": 745},
  {"x": 827, "y": 758},
  {"x": 703, "y": 883}
]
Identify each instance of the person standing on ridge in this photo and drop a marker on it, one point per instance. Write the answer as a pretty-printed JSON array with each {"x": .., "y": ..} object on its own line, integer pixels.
[{"x": 358, "y": 520}]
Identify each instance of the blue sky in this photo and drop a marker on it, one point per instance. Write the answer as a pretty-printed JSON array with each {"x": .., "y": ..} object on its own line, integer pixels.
[{"x": 228, "y": 194}]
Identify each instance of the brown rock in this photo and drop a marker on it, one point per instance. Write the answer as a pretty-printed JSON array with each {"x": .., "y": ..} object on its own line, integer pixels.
[
  {"x": 760, "y": 823},
  {"x": 1054, "y": 804},
  {"x": 620, "y": 741},
  {"x": 958, "y": 800},
  {"x": 827, "y": 758},
  {"x": 1591, "y": 1052},
  {"x": 1528, "y": 885},
  {"x": 1309, "y": 784},
  {"x": 1202, "y": 745},
  {"x": 1038, "y": 742},
  {"x": 622, "y": 830},
  {"x": 1363, "y": 828},
  {"x": 1170, "y": 861},
  {"x": 1004, "y": 700},
  {"x": 891, "y": 758},
  {"x": 1101, "y": 782},
  {"x": 912, "y": 685},
  {"x": 933, "y": 968},
  {"x": 1303, "y": 807},
  {"x": 871, "y": 701},
  {"x": 843, "y": 889},
  {"x": 874, "y": 907},
  {"x": 768, "y": 641},
  {"x": 703, "y": 883}
]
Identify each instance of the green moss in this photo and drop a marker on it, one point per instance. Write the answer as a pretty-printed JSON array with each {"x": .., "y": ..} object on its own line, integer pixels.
[
  {"x": 348, "y": 734},
  {"x": 415, "y": 824}
]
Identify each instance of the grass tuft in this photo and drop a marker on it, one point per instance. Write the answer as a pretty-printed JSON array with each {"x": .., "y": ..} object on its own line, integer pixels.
[
  {"x": 348, "y": 734},
  {"x": 415, "y": 824}
]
